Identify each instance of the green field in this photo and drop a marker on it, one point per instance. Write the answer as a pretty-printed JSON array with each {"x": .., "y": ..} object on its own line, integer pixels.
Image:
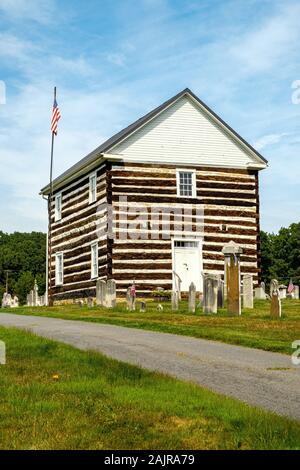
[
  {"x": 254, "y": 328},
  {"x": 53, "y": 396}
]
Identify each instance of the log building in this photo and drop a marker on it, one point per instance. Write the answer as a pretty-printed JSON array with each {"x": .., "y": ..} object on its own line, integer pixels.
[{"x": 157, "y": 199}]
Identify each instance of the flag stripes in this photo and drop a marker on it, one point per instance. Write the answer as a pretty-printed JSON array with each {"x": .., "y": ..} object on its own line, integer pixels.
[{"x": 55, "y": 118}]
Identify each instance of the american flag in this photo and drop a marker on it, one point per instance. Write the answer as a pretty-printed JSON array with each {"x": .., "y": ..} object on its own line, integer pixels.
[
  {"x": 55, "y": 117},
  {"x": 290, "y": 287}
]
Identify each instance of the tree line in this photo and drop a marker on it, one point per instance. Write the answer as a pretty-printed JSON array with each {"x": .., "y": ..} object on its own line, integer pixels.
[
  {"x": 281, "y": 255},
  {"x": 23, "y": 259}
]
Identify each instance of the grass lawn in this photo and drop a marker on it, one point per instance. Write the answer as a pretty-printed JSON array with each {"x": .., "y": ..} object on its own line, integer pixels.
[
  {"x": 254, "y": 328},
  {"x": 53, "y": 396}
]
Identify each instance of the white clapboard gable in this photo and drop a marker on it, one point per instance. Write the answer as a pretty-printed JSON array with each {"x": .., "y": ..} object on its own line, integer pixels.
[{"x": 184, "y": 133}]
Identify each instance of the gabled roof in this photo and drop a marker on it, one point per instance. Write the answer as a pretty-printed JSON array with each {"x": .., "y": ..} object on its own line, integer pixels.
[{"x": 93, "y": 157}]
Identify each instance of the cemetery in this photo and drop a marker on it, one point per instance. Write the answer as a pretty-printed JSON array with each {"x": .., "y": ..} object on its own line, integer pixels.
[{"x": 229, "y": 309}]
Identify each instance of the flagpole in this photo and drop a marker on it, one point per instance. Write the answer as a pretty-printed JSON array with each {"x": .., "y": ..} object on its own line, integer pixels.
[{"x": 50, "y": 300}]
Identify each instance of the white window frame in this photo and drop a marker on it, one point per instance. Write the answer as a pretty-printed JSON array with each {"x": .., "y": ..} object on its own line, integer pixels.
[
  {"x": 91, "y": 198},
  {"x": 94, "y": 273},
  {"x": 194, "y": 190},
  {"x": 59, "y": 282},
  {"x": 58, "y": 196}
]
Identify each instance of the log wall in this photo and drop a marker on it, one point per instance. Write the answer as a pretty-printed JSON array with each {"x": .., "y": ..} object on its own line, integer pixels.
[
  {"x": 228, "y": 197},
  {"x": 142, "y": 250}
]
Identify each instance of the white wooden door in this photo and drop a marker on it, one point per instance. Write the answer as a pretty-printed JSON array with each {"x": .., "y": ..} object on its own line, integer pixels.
[{"x": 187, "y": 259}]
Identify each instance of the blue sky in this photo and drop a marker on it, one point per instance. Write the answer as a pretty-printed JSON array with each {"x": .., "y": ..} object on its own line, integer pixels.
[{"x": 112, "y": 61}]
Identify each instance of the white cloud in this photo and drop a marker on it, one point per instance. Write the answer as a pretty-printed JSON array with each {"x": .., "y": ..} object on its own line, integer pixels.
[
  {"x": 116, "y": 59},
  {"x": 41, "y": 11},
  {"x": 278, "y": 36},
  {"x": 269, "y": 139},
  {"x": 14, "y": 48}
]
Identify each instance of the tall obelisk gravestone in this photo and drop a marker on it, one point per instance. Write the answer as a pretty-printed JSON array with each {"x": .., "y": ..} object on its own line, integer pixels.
[{"x": 232, "y": 253}]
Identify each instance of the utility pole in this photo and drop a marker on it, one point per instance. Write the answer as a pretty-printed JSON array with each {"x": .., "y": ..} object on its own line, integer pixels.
[{"x": 6, "y": 287}]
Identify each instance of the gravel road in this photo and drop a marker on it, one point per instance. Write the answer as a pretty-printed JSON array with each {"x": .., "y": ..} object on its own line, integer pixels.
[{"x": 264, "y": 379}]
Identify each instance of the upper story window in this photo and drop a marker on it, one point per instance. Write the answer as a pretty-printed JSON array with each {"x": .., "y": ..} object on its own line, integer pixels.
[
  {"x": 186, "y": 183},
  {"x": 58, "y": 199},
  {"x": 59, "y": 269},
  {"x": 94, "y": 260},
  {"x": 93, "y": 188}
]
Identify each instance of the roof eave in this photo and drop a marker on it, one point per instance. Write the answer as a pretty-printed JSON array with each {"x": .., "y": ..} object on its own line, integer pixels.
[{"x": 68, "y": 178}]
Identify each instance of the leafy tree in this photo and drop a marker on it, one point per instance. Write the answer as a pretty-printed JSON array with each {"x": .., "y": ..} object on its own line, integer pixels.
[
  {"x": 21, "y": 254},
  {"x": 281, "y": 255},
  {"x": 24, "y": 285}
]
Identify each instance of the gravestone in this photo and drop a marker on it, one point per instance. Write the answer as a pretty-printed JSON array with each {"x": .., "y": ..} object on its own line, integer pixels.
[
  {"x": 232, "y": 253},
  {"x": 6, "y": 300},
  {"x": 15, "y": 302},
  {"x": 192, "y": 298},
  {"x": 110, "y": 293},
  {"x": 128, "y": 298},
  {"x": 248, "y": 291},
  {"x": 175, "y": 298},
  {"x": 90, "y": 302},
  {"x": 102, "y": 293},
  {"x": 275, "y": 309},
  {"x": 210, "y": 293},
  {"x": 220, "y": 293},
  {"x": 273, "y": 286},
  {"x": 260, "y": 293},
  {"x": 296, "y": 292},
  {"x": 143, "y": 307},
  {"x": 178, "y": 282},
  {"x": 131, "y": 297},
  {"x": 35, "y": 294},
  {"x": 282, "y": 291},
  {"x": 99, "y": 297}
]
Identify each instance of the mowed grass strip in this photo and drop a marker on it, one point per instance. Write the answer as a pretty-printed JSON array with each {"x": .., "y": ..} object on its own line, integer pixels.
[
  {"x": 53, "y": 396},
  {"x": 254, "y": 328}
]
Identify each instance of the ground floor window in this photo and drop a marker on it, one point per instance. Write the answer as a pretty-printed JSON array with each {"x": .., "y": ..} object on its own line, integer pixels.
[
  {"x": 59, "y": 269},
  {"x": 94, "y": 260}
]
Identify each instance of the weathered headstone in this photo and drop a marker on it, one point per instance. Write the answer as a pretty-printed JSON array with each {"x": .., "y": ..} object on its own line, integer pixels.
[
  {"x": 143, "y": 307},
  {"x": 220, "y": 293},
  {"x": 15, "y": 301},
  {"x": 260, "y": 293},
  {"x": 6, "y": 300},
  {"x": 282, "y": 291},
  {"x": 174, "y": 300},
  {"x": 275, "y": 310},
  {"x": 192, "y": 298},
  {"x": 99, "y": 300},
  {"x": 296, "y": 292},
  {"x": 35, "y": 294},
  {"x": 210, "y": 293},
  {"x": 248, "y": 291},
  {"x": 177, "y": 284},
  {"x": 273, "y": 286},
  {"x": 128, "y": 298},
  {"x": 110, "y": 293},
  {"x": 232, "y": 253},
  {"x": 131, "y": 297}
]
